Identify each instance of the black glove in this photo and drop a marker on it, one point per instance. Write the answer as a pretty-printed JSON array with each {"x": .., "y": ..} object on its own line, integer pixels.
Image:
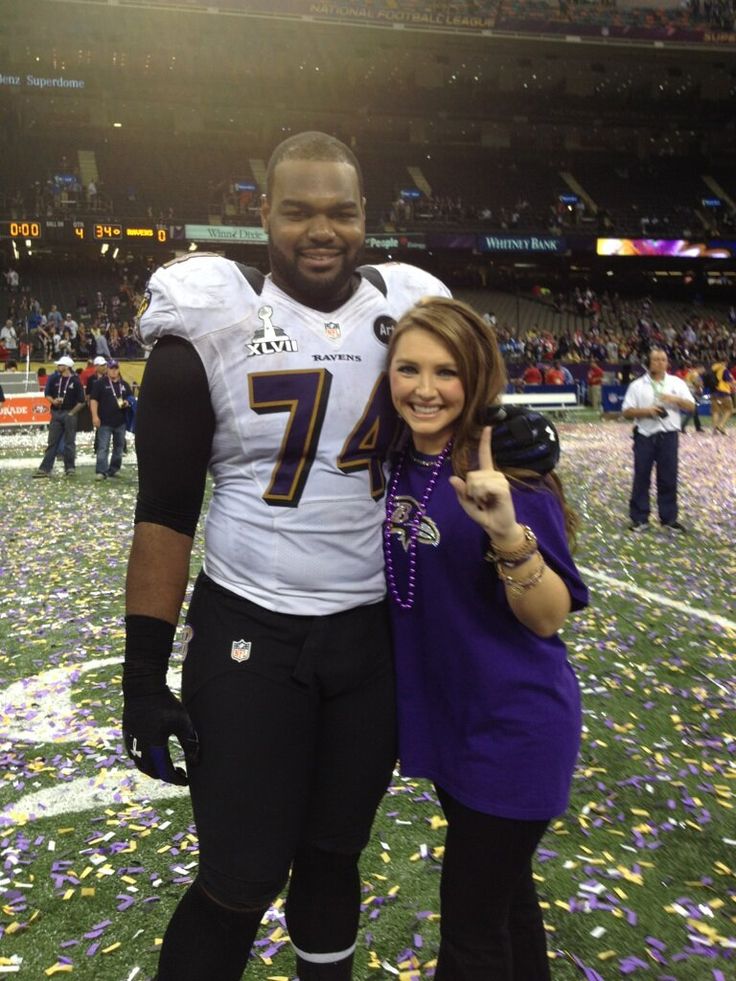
[
  {"x": 151, "y": 713},
  {"x": 522, "y": 438}
]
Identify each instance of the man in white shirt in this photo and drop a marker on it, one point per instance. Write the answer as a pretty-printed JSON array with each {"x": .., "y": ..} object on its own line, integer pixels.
[
  {"x": 9, "y": 338},
  {"x": 655, "y": 402}
]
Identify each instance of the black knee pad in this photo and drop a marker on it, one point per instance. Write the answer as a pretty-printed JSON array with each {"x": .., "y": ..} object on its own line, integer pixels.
[
  {"x": 236, "y": 895},
  {"x": 206, "y": 939},
  {"x": 323, "y": 904}
]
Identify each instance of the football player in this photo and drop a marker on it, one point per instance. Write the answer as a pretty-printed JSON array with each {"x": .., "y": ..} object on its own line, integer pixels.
[{"x": 277, "y": 385}]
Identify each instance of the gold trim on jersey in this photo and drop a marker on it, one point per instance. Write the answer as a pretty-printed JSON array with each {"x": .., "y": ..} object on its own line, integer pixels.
[{"x": 291, "y": 405}]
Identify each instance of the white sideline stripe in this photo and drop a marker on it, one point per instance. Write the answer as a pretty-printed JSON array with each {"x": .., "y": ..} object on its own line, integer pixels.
[
  {"x": 32, "y": 462},
  {"x": 651, "y": 597},
  {"x": 339, "y": 955},
  {"x": 87, "y": 793},
  {"x": 56, "y": 718}
]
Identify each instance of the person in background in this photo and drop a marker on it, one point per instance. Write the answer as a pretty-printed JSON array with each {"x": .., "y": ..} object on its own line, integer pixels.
[
  {"x": 654, "y": 403},
  {"x": 595, "y": 384},
  {"x": 9, "y": 338},
  {"x": 99, "y": 366},
  {"x": 480, "y": 580},
  {"x": 66, "y": 395},
  {"x": 531, "y": 374},
  {"x": 109, "y": 401},
  {"x": 693, "y": 378},
  {"x": 721, "y": 396}
]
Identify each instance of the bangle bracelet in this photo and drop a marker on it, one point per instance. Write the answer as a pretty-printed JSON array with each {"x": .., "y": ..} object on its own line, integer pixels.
[
  {"x": 514, "y": 563},
  {"x": 527, "y": 547},
  {"x": 519, "y": 586}
]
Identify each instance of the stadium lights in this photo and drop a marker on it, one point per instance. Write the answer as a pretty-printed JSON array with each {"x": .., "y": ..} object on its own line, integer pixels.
[
  {"x": 103, "y": 248},
  {"x": 115, "y": 253},
  {"x": 117, "y": 125},
  {"x": 29, "y": 244}
]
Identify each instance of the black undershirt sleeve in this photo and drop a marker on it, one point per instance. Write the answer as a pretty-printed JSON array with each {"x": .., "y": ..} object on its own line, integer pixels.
[{"x": 175, "y": 425}]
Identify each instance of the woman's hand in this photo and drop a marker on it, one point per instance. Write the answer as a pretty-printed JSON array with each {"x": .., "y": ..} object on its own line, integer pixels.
[{"x": 485, "y": 496}]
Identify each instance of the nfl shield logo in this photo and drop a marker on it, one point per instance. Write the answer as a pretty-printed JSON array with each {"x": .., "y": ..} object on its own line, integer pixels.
[
  {"x": 240, "y": 650},
  {"x": 332, "y": 330}
]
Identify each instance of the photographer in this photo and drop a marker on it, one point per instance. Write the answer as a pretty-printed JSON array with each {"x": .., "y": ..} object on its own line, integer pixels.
[{"x": 655, "y": 402}]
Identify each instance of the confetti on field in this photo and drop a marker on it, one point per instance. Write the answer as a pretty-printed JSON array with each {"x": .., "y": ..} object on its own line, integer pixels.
[{"x": 638, "y": 879}]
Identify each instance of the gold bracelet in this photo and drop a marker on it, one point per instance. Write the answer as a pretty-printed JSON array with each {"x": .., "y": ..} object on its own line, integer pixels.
[
  {"x": 519, "y": 586},
  {"x": 528, "y": 547}
]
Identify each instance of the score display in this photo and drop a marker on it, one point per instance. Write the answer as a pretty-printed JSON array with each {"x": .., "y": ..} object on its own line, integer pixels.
[
  {"x": 22, "y": 228},
  {"x": 104, "y": 232},
  {"x": 71, "y": 231}
]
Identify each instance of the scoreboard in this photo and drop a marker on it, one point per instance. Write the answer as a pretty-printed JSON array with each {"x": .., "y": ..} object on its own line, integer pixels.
[{"x": 60, "y": 231}]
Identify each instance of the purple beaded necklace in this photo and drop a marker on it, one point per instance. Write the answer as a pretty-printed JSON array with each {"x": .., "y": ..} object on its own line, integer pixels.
[{"x": 413, "y": 529}]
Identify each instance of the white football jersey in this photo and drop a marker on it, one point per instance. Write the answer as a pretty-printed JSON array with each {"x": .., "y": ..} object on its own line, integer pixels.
[{"x": 303, "y": 420}]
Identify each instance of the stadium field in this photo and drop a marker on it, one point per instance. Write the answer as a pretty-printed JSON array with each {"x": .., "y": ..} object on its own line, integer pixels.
[{"x": 638, "y": 878}]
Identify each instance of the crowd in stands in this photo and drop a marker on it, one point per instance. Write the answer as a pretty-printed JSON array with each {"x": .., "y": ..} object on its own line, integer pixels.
[
  {"x": 718, "y": 13},
  {"x": 454, "y": 209},
  {"x": 620, "y": 332},
  {"x": 605, "y": 13},
  {"x": 101, "y": 324}
]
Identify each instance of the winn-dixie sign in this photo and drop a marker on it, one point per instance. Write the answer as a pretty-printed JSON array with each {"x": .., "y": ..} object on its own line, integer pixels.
[{"x": 521, "y": 243}]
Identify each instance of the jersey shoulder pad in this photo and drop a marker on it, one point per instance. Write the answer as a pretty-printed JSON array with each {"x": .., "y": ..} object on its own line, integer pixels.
[
  {"x": 409, "y": 283},
  {"x": 193, "y": 296}
]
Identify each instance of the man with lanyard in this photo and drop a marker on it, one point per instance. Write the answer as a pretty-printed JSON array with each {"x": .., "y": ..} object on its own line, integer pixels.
[
  {"x": 655, "y": 402},
  {"x": 108, "y": 404},
  {"x": 90, "y": 378},
  {"x": 287, "y": 683},
  {"x": 64, "y": 391}
]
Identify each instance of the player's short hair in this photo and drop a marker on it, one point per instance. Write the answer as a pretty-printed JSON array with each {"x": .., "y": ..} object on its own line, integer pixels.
[{"x": 312, "y": 145}]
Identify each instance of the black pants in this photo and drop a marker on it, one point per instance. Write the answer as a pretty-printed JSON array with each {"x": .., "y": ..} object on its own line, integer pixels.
[
  {"x": 658, "y": 450},
  {"x": 491, "y": 927},
  {"x": 694, "y": 415},
  {"x": 297, "y": 736}
]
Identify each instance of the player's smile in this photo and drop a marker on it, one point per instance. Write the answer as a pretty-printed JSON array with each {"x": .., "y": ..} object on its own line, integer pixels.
[
  {"x": 320, "y": 258},
  {"x": 315, "y": 221}
]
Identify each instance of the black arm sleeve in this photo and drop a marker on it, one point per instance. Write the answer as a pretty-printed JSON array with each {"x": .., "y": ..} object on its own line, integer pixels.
[{"x": 175, "y": 424}]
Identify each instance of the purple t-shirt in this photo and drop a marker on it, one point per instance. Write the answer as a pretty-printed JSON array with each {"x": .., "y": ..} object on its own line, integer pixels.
[{"x": 487, "y": 709}]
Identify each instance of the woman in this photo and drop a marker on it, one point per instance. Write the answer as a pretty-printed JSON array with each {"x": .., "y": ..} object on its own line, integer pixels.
[{"x": 480, "y": 577}]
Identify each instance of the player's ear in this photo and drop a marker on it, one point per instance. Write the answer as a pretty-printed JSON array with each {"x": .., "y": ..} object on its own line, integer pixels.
[{"x": 265, "y": 212}]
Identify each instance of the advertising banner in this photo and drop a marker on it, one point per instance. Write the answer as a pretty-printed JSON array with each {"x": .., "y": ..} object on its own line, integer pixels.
[
  {"x": 549, "y": 244},
  {"x": 397, "y": 240},
  {"x": 672, "y": 248},
  {"x": 225, "y": 233},
  {"x": 25, "y": 410}
]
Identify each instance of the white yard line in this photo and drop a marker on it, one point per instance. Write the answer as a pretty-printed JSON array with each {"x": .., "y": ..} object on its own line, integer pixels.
[
  {"x": 32, "y": 462},
  {"x": 657, "y": 598}
]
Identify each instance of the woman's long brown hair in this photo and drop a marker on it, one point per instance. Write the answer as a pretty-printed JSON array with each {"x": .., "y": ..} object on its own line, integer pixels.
[{"x": 474, "y": 349}]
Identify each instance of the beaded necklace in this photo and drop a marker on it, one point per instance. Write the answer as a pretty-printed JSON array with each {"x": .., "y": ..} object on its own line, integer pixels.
[{"x": 413, "y": 527}]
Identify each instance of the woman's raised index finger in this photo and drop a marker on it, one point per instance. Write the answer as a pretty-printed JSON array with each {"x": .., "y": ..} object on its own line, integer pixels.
[{"x": 485, "y": 457}]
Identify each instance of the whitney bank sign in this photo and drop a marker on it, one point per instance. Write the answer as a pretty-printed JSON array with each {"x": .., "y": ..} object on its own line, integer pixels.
[{"x": 524, "y": 243}]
